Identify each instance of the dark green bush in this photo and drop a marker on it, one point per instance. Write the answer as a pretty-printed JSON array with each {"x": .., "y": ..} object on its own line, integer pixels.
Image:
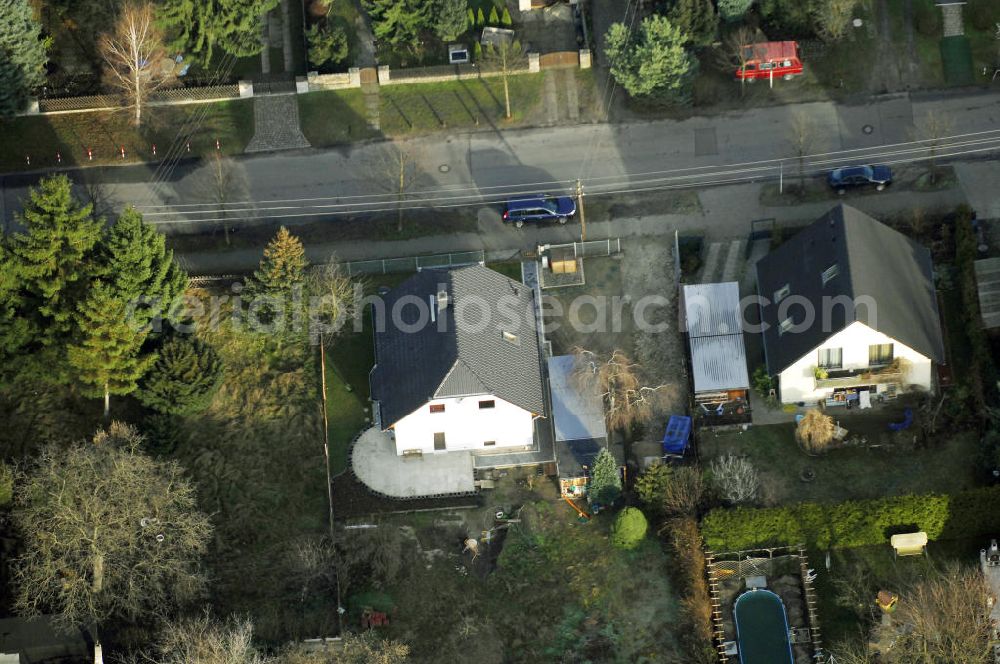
[
  {"x": 983, "y": 14},
  {"x": 855, "y": 523}
]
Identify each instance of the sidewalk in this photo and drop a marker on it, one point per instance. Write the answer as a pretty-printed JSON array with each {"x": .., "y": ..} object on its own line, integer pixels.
[{"x": 726, "y": 215}]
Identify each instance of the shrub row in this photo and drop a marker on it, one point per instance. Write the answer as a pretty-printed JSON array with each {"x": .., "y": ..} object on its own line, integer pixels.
[
  {"x": 982, "y": 374},
  {"x": 855, "y": 523},
  {"x": 691, "y": 579}
]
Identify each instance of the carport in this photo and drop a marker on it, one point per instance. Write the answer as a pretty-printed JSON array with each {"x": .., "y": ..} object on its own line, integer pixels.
[{"x": 578, "y": 422}]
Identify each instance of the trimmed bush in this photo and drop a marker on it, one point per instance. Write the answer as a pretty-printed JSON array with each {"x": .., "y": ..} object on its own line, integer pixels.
[
  {"x": 629, "y": 528},
  {"x": 928, "y": 19},
  {"x": 733, "y": 10},
  {"x": 855, "y": 523}
]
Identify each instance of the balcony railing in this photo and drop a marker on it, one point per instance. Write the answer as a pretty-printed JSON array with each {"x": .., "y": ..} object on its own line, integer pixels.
[{"x": 856, "y": 377}]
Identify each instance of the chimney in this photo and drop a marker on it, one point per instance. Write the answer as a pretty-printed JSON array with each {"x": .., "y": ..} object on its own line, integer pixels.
[{"x": 442, "y": 300}]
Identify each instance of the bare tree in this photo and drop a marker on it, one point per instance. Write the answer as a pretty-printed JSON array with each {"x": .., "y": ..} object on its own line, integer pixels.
[
  {"x": 815, "y": 431},
  {"x": 943, "y": 618},
  {"x": 222, "y": 184},
  {"x": 505, "y": 57},
  {"x": 394, "y": 169},
  {"x": 684, "y": 491},
  {"x": 132, "y": 54},
  {"x": 204, "y": 640},
  {"x": 802, "y": 134},
  {"x": 335, "y": 303},
  {"x": 366, "y": 648},
  {"x": 833, "y": 18},
  {"x": 627, "y": 401},
  {"x": 108, "y": 532},
  {"x": 736, "y": 51},
  {"x": 933, "y": 129},
  {"x": 736, "y": 478}
]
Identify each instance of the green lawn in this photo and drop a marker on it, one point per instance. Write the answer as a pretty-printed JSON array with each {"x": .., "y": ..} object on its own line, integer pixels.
[
  {"x": 43, "y": 136},
  {"x": 427, "y": 107},
  {"x": 331, "y": 117},
  {"x": 348, "y": 360},
  {"x": 848, "y": 473}
]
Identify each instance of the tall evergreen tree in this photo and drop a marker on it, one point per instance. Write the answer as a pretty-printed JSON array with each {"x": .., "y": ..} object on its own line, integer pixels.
[
  {"x": 184, "y": 378},
  {"x": 52, "y": 255},
  {"x": 136, "y": 264},
  {"x": 199, "y": 26},
  {"x": 696, "y": 19},
  {"x": 107, "y": 357},
  {"x": 283, "y": 266},
  {"x": 398, "y": 22},
  {"x": 15, "y": 330},
  {"x": 652, "y": 62},
  {"x": 605, "y": 481},
  {"x": 22, "y": 55},
  {"x": 451, "y": 18}
]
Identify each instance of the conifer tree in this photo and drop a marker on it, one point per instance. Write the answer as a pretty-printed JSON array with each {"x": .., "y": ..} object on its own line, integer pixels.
[
  {"x": 22, "y": 55},
  {"x": 185, "y": 377},
  {"x": 52, "y": 255},
  {"x": 605, "y": 482},
  {"x": 15, "y": 330},
  {"x": 136, "y": 264},
  {"x": 472, "y": 18},
  {"x": 494, "y": 17},
  {"x": 450, "y": 18},
  {"x": 696, "y": 19},
  {"x": 107, "y": 357},
  {"x": 480, "y": 17},
  {"x": 199, "y": 26},
  {"x": 283, "y": 265},
  {"x": 399, "y": 22},
  {"x": 505, "y": 18}
]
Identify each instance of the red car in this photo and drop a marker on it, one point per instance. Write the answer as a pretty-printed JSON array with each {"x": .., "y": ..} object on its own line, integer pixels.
[{"x": 770, "y": 60}]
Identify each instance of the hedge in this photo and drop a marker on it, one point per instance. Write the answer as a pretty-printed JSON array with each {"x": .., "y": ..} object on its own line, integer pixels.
[{"x": 855, "y": 523}]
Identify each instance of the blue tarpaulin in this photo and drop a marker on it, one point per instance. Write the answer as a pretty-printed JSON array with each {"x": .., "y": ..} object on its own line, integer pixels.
[{"x": 677, "y": 435}]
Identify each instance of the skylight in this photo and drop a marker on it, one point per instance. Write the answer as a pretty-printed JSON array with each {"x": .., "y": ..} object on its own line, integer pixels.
[{"x": 830, "y": 272}]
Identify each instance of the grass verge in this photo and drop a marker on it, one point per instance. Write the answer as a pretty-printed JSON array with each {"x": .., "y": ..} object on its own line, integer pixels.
[{"x": 43, "y": 137}]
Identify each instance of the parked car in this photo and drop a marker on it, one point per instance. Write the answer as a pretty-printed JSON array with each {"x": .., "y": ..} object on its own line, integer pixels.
[
  {"x": 877, "y": 176},
  {"x": 540, "y": 208}
]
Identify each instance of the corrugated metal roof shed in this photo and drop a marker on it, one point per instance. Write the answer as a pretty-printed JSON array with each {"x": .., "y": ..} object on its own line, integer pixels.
[
  {"x": 712, "y": 309},
  {"x": 577, "y": 414},
  {"x": 714, "y": 324},
  {"x": 719, "y": 363}
]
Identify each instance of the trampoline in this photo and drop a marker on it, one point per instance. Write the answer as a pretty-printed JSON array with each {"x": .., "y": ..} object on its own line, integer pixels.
[{"x": 762, "y": 628}]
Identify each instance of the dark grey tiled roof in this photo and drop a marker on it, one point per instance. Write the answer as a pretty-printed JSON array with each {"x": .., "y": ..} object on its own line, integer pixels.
[
  {"x": 440, "y": 359},
  {"x": 873, "y": 261}
]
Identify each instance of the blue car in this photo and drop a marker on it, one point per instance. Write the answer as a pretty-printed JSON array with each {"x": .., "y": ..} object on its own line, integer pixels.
[
  {"x": 540, "y": 208},
  {"x": 877, "y": 176}
]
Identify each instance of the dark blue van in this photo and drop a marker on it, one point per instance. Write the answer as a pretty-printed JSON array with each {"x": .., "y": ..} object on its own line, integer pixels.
[{"x": 540, "y": 208}]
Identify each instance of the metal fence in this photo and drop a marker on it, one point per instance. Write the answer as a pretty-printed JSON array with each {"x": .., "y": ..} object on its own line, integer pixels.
[
  {"x": 414, "y": 263},
  {"x": 591, "y": 248},
  {"x": 165, "y": 96}
]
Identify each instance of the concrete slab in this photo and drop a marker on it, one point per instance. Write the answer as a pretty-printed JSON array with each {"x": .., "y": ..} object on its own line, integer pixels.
[{"x": 376, "y": 464}]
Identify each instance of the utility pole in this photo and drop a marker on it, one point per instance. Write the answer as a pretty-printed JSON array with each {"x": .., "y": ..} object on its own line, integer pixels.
[{"x": 579, "y": 207}]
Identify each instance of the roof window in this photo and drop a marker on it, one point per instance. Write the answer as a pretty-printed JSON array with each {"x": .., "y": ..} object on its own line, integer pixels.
[
  {"x": 830, "y": 272},
  {"x": 785, "y": 326},
  {"x": 782, "y": 293}
]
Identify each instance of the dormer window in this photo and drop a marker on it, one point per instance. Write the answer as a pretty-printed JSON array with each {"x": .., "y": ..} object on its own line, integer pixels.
[
  {"x": 782, "y": 293},
  {"x": 785, "y": 326},
  {"x": 830, "y": 272}
]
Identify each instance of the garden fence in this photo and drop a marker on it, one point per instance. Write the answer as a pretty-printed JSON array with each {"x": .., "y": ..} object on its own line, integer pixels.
[
  {"x": 591, "y": 248},
  {"x": 164, "y": 97},
  {"x": 415, "y": 263}
]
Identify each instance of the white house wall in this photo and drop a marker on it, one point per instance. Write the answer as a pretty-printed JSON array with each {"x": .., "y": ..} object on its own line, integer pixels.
[
  {"x": 798, "y": 382},
  {"x": 466, "y": 426}
]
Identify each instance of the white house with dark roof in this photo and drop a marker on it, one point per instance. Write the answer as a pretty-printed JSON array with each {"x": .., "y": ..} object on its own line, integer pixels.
[
  {"x": 458, "y": 364},
  {"x": 848, "y": 305}
]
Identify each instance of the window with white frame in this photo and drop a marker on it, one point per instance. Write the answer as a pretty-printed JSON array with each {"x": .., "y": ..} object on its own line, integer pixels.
[{"x": 830, "y": 358}]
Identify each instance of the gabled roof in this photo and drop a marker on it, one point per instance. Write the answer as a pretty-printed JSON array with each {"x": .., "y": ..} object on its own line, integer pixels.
[
  {"x": 439, "y": 359},
  {"x": 862, "y": 259}
]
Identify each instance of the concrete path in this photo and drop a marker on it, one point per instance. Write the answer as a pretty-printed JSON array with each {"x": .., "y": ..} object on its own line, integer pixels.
[
  {"x": 550, "y": 97},
  {"x": 572, "y": 97},
  {"x": 375, "y": 463},
  {"x": 276, "y": 124},
  {"x": 287, "y": 45}
]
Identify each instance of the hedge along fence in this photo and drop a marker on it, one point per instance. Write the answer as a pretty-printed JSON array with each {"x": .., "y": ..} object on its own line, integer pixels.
[{"x": 855, "y": 523}]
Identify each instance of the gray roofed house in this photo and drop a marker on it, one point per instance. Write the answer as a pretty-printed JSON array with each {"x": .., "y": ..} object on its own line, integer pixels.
[
  {"x": 848, "y": 269},
  {"x": 452, "y": 334}
]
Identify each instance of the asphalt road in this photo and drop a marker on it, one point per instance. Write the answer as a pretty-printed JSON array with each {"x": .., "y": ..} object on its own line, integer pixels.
[{"x": 468, "y": 169}]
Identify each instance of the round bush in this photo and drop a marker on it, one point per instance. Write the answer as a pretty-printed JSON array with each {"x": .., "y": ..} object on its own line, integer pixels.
[{"x": 629, "y": 528}]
